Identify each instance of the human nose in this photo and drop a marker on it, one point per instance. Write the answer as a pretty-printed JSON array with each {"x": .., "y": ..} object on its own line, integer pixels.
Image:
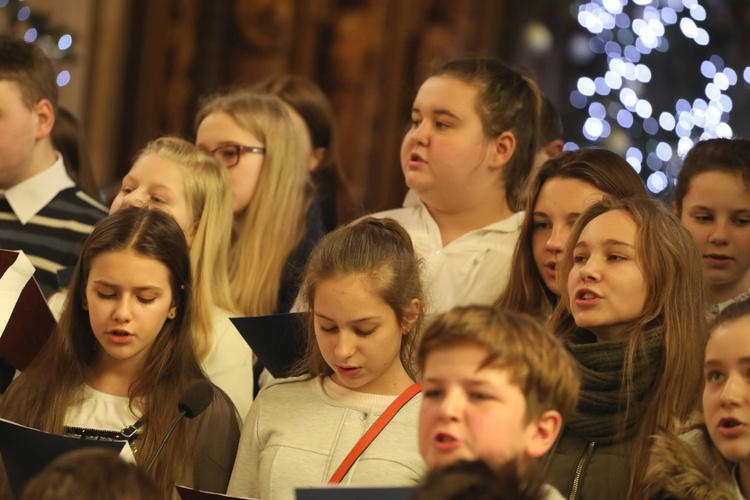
[
  {"x": 133, "y": 199},
  {"x": 732, "y": 392},
  {"x": 123, "y": 312},
  {"x": 718, "y": 234},
  {"x": 450, "y": 406},
  {"x": 420, "y": 133},
  {"x": 345, "y": 345},
  {"x": 557, "y": 238},
  {"x": 590, "y": 270}
]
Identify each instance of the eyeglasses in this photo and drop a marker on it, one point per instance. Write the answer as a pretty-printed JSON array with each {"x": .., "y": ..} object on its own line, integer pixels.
[{"x": 230, "y": 155}]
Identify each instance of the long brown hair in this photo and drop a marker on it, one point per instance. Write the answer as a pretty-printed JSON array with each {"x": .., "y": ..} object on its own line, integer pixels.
[
  {"x": 382, "y": 252},
  {"x": 603, "y": 169},
  {"x": 41, "y": 395},
  {"x": 672, "y": 267}
]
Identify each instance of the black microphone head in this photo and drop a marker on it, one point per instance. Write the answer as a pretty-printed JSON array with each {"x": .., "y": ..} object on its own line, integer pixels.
[{"x": 196, "y": 398}]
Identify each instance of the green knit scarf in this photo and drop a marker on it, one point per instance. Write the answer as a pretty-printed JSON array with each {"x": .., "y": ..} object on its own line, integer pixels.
[{"x": 601, "y": 414}]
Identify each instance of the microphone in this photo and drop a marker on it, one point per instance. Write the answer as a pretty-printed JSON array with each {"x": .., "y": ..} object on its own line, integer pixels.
[{"x": 193, "y": 402}]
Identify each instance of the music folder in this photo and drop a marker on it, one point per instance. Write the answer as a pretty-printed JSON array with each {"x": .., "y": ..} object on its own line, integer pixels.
[{"x": 279, "y": 340}]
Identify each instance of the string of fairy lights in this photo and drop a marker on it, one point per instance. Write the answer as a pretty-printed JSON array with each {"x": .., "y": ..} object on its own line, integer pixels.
[{"x": 627, "y": 32}]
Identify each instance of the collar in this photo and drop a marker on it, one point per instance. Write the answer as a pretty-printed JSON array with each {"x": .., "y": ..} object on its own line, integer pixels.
[
  {"x": 715, "y": 309},
  {"x": 29, "y": 197}
]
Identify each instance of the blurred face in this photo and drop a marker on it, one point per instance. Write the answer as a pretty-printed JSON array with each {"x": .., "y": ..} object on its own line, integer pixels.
[
  {"x": 359, "y": 336},
  {"x": 470, "y": 412},
  {"x": 445, "y": 155},
  {"x": 303, "y": 133},
  {"x": 726, "y": 395},
  {"x": 18, "y": 133},
  {"x": 716, "y": 211},
  {"x": 219, "y": 129},
  {"x": 128, "y": 297},
  {"x": 606, "y": 284},
  {"x": 558, "y": 205},
  {"x": 157, "y": 182}
]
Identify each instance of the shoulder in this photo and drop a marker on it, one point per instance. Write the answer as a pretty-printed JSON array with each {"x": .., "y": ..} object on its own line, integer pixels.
[
  {"x": 285, "y": 387},
  {"x": 77, "y": 205}
]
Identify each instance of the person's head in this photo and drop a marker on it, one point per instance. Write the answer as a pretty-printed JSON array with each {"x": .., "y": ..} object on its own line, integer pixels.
[
  {"x": 312, "y": 115},
  {"x": 726, "y": 391},
  {"x": 363, "y": 289},
  {"x": 561, "y": 190},
  {"x": 254, "y": 136},
  {"x": 485, "y": 369},
  {"x": 712, "y": 200},
  {"x": 629, "y": 263},
  {"x": 133, "y": 277},
  {"x": 550, "y": 134},
  {"x": 91, "y": 474},
  {"x": 474, "y": 130},
  {"x": 28, "y": 102}
]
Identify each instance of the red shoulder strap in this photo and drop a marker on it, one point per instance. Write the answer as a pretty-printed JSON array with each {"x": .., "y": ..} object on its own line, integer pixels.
[{"x": 373, "y": 431}]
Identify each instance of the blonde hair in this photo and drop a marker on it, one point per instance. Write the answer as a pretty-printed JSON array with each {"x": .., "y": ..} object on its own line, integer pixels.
[
  {"x": 539, "y": 364},
  {"x": 273, "y": 224},
  {"x": 675, "y": 300},
  {"x": 209, "y": 197},
  {"x": 381, "y": 251}
]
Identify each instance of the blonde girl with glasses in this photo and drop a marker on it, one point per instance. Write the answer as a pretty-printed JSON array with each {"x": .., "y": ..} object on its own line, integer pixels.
[{"x": 274, "y": 223}]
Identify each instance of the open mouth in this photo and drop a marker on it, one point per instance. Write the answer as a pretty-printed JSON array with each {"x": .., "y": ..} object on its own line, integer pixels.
[
  {"x": 586, "y": 295},
  {"x": 729, "y": 423},
  {"x": 119, "y": 333},
  {"x": 444, "y": 438}
]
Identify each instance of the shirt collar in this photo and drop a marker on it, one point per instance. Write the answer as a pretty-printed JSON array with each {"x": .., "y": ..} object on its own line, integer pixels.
[{"x": 29, "y": 197}]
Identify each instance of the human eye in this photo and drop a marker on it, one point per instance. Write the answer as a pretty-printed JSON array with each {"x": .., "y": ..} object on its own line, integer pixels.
[
  {"x": 741, "y": 221},
  {"x": 157, "y": 199},
  {"x": 126, "y": 189},
  {"x": 703, "y": 218},
  {"x": 615, "y": 257},
  {"x": 228, "y": 154},
  {"x": 714, "y": 376},
  {"x": 146, "y": 300},
  {"x": 541, "y": 225},
  {"x": 580, "y": 258},
  {"x": 480, "y": 396},
  {"x": 105, "y": 295},
  {"x": 441, "y": 125},
  {"x": 364, "y": 333},
  {"x": 432, "y": 393},
  {"x": 328, "y": 328}
]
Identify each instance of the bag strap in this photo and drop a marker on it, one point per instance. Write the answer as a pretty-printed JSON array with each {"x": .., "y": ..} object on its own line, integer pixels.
[{"x": 373, "y": 432}]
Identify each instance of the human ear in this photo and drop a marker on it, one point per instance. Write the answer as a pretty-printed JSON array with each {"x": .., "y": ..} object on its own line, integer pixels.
[
  {"x": 316, "y": 156},
  {"x": 410, "y": 316},
  {"x": 554, "y": 148},
  {"x": 190, "y": 235},
  {"x": 503, "y": 147},
  {"x": 676, "y": 210},
  {"x": 172, "y": 312},
  {"x": 45, "y": 114},
  {"x": 543, "y": 431}
]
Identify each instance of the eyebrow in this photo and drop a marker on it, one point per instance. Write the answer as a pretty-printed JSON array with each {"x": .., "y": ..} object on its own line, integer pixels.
[
  {"x": 608, "y": 242},
  {"x": 715, "y": 363},
  {"x": 438, "y": 111},
  {"x": 138, "y": 288},
  {"x": 360, "y": 320}
]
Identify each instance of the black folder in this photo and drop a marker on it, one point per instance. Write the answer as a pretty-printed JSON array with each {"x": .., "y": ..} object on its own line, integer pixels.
[
  {"x": 27, "y": 451},
  {"x": 279, "y": 340},
  {"x": 353, "y": 492}
]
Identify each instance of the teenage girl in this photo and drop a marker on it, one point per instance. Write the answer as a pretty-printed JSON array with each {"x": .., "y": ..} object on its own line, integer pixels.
[
  {"x": 274, "y": 226},
  {"x": 631, "y": 313},
  {"x": 712, "y": 461},
  {"x": 123, "y": 355},
  {"x": 467, "y": 155},
  {"x": 713, "y": 202},
  {"x": 313, "y": 117},
  {"x": 363, "y": 291},
  {"x": 560, "y": 191},
  {"x": 176, "y": 176}
]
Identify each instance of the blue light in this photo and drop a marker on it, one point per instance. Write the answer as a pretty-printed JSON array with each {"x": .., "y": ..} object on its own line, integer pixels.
[
  {"x": 612, "y": 49},
  {"x": 634, "y": 153},
  {"x": 713, "y": 92},
  {"x": 586, "y": 86},
  {"x": 612, "y": 80},
  {"x": 612, "y": 6},
  {"x": 593, "y": 129},
  {"x": 643, "y": 108},
  {"x": 651, "y": 126},
  {"x": 657, "y": 182},
  {"x": 668, "y": 15},
  {"x": 578, "y": 100},
  {"x": 688, "y": 27},
  {"x": 702, "y": 37},
  {"x": 30, "y": 35},
  {"x": 63, "y": 78},
  {"x": 731, "y": 76},
  {"x": 24, "y": 13},
  {"x": 570, "y": 146},
  {"x": 653, "y": 162},
  {"x": 708, "y": 69},
  {"x": 622, "y": 21},
  {"x": 65, "y": 42},
  {"x": 601, "y": 86},
  {"x": 628, "y": 98},
  {"x": 3, "y": 4},
  {"x": 726, "y": 103},
  {"x": 746, "y": 74},
  {"x": 721, "y": 81},
  {"x": 664, "y": 151},
  {"x": 625, "y": 118},
  {"x": 698, "y": 13},
  {"x": 632, "y": 53},
  {"x": 667, "y": 121},
  {"x": 682, "y": 106},
  {"x": 642, "y": 73},
  {"x": 597, "y": 110},
  {"x": 684, "y": 145},
  {"x": 636, "y": 164},
  {"x": 724, "y": 131},
  {"x": 717, "y": 61}
]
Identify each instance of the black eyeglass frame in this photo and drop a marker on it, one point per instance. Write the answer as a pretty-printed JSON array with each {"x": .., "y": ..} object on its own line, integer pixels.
[{"x": 239, "y": 148}]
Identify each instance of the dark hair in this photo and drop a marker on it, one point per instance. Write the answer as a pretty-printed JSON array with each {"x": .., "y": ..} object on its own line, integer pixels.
[
  {"x": 69, "y": 139},
  {"x": 42, "y": 394},
  {"x": 30, "y": 68},
  {"x": 508, "y": 101},
  {"x": 379, "y": 250},
  {"x": 731, "y": 313},
  {"x": 91, "y": 473},
  {"x": 603, "y": 169},
  {"x": 551, "y": 128},
  {"x": 476, "y": 480},
  {"x": 731, "y": 156}
]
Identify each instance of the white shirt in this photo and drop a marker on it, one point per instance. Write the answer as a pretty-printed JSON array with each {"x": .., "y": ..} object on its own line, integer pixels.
[
  {"x": 29, "y": 197},
  {"x": 472, "y": 269}
]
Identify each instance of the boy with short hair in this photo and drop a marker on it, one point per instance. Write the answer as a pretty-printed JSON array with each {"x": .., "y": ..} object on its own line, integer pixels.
[
  {"x": 42, "y": 211},
  {"x": 496, "y": 387},
  {"x": 712, "y": 200}
]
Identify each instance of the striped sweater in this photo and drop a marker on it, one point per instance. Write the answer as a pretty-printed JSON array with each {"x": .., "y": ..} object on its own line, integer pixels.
[{"x": 54, "y": 237}]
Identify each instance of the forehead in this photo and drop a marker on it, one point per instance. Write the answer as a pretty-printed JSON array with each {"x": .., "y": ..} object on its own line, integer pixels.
[
  {"x": 11, "y": 94},
  {"x": 129, "y": 268},
  {"x": 614, "y": 224},
  {"x": 718, "y": 188},
  {"x": 158, "y": 169},
  {"x": 730, "y": 340},
  {"x": 447, "y": 93},
  {"x": 564, "y": 192}
]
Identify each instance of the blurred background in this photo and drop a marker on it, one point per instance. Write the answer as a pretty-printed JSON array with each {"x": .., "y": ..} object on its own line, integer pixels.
[{"x": 646, "y": 78}]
